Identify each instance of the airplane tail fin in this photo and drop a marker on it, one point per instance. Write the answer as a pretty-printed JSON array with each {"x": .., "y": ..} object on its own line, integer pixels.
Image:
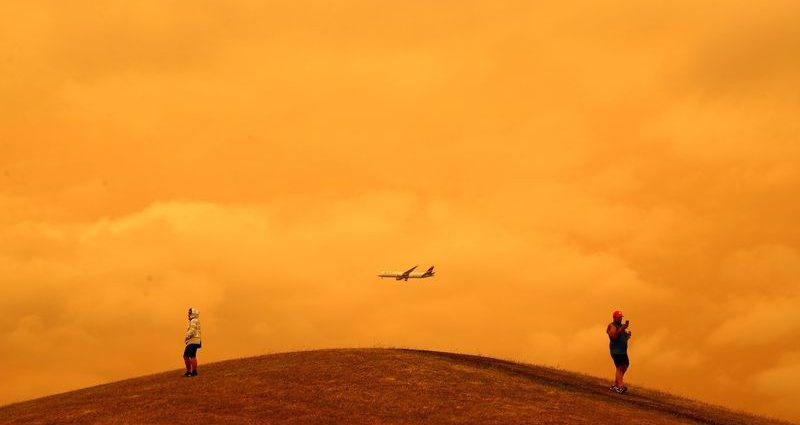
[{"x": 429, "y": 272}]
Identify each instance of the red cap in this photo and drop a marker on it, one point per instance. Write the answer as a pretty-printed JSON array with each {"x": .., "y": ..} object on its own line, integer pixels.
[{"x": 617, "y": 314}]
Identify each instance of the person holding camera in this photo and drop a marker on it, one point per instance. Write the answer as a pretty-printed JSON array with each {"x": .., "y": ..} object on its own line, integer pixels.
[{"x": 618, "y": 334}]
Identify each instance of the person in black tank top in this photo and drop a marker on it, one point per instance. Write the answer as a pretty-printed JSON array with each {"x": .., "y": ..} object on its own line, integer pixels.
[{"x": 618, "y": 335}]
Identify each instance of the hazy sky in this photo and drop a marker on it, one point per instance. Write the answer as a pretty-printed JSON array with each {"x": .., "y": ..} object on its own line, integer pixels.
[{"x": 262, "y": 161}]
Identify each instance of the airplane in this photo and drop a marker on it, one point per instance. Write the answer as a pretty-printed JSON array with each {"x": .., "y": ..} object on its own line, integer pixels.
[{"x": 407, "y": 274}]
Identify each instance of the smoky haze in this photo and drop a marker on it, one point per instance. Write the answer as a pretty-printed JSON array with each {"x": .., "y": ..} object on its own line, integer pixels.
[{"x": 262, "y": 162}]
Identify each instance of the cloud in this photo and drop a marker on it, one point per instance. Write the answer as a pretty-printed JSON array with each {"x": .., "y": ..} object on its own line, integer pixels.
[
  {"x": 780, "y": 382},
  {"x": 263, "y": 162},
  {"x": 763, "y": 324}
]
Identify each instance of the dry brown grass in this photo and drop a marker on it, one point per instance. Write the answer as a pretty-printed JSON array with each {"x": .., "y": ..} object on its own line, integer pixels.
[{"x": 367, "y": 386}]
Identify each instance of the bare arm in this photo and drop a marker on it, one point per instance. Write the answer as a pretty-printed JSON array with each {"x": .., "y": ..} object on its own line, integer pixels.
[{"x": 614, "y": 333}]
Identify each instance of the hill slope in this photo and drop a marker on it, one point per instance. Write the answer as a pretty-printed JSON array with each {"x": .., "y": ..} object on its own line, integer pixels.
[{"x": 379, "y": 386}]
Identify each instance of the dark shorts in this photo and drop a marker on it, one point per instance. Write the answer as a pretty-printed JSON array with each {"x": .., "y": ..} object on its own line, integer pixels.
[
  {"x": 620, "y": 359},
  {"x": 191, "y": 350}
]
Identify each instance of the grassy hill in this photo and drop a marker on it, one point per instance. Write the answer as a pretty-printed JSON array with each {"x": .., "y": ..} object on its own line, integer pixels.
[{"x": 367, "y": 386}]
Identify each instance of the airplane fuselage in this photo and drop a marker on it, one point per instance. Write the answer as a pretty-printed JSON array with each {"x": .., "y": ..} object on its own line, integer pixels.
[{"x": 400, "y": 276}]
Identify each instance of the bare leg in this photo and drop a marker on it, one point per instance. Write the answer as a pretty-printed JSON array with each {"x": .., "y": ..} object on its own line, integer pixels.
[
  {"x": 193, "y": 361},
  {"x": 188, "y": 364},
  {"x": 620, "y": 374}
]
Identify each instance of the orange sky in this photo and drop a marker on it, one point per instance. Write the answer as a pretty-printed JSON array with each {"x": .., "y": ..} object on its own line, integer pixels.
[{"x": 263, "y": 160}]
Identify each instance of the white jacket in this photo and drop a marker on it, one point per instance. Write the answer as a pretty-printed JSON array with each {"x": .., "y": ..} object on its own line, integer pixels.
[{"x": 193, "y": 332}]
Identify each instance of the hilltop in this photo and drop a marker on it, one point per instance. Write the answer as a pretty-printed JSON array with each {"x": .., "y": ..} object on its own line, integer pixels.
[{"x": 368, "y": 386}]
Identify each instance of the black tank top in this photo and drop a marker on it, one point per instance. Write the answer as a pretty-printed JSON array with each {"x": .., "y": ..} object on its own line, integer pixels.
[{"x": 619, "y": 345}]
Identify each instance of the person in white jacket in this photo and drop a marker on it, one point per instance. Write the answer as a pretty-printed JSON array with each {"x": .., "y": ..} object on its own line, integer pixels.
[{"x": 192, "y": 342}]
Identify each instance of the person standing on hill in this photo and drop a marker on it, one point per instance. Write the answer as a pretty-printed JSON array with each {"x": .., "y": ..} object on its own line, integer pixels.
[
  {"x": 618, "y": 334},
  {"x": 192, "y": 342}
]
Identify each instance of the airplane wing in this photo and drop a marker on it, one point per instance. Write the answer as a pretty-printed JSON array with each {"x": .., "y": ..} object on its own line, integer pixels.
[{"x": 408, "y": 272}]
